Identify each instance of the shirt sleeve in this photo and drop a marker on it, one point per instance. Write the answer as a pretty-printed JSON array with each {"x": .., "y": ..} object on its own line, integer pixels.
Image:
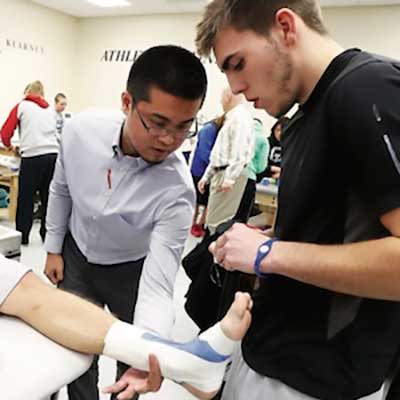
[
  {"x": 59, "y": 205},
  {"x": 207, "y": 142},
  {"x": 209, "y": 173},
  {"x": 218, "y": 154},
  {"x": 366, "y": 122},
  {"x": 11, "y": 272},
  {"x": 9, "y": 126},
  {"x": 154, "y": 308},
  {"x": 241, "y": 148},
  {"x": 261, "y": 154}
]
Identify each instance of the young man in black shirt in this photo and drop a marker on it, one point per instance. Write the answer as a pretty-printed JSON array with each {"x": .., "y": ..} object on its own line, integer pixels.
[{"x": 326, "y": 319}]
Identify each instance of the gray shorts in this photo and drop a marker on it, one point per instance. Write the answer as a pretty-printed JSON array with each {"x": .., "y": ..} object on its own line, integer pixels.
[{"x": 245, "y": 384}]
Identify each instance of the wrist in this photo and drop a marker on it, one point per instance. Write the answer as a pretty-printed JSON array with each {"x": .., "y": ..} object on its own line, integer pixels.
[{"x": 263, "y": 261}]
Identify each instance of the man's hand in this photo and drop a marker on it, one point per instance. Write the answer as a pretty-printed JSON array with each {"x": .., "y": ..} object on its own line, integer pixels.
[
  {"x": 54, "y": 268},
  {"x": 202, "y": 185},
  {"x": 275, "y": 172},
  {"x": 225, "y": 187},
  {"x": 135, "y": 381},
  {"x": 237, "y": 248}
]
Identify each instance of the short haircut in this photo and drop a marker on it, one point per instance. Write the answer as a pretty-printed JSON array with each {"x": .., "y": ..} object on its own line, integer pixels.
[
  {"x": 172, "y": 69},
  {"x": 255, "y": 15},
  {"x": 59, "y": 97},
  {"x": 26, "y": 90},
  {"x": 35, "y": 87}
]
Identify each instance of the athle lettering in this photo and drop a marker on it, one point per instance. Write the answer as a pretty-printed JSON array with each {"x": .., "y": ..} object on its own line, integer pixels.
[{"x": 120, "y": 55}]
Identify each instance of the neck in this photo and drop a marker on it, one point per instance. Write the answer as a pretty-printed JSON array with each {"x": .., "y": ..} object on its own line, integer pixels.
[
  {"x": 316, "y": 59},
  {"x": 126, "y": 146}
]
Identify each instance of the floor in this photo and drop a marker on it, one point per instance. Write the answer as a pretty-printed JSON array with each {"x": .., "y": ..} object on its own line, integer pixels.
[{"x": 184, "y": 329}]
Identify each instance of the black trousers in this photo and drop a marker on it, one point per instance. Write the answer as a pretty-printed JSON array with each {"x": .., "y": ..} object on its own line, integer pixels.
[
  {"x": 115, "y": 286},
  {"x": 35, "y": 174},
  {"x": 247, "y": 201}
]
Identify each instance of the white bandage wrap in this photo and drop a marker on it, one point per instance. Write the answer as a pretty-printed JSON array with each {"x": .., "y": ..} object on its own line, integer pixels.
[{"x": 200, "y": 363}]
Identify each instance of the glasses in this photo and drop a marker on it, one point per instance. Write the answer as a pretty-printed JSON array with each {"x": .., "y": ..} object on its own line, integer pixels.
[{"x": 158, "y": 130}]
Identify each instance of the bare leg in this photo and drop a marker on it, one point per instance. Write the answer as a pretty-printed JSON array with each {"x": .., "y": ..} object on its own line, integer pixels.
[{"x": 200, "y": 363}]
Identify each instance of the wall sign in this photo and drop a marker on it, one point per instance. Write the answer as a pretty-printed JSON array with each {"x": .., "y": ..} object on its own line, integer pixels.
[
  {"x": 24, "y": 46},
  {"x": 131, "y": 56}
]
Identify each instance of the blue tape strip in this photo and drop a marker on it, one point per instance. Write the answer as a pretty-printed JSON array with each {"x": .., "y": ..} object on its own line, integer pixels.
[{"x": 197, "y": 347}]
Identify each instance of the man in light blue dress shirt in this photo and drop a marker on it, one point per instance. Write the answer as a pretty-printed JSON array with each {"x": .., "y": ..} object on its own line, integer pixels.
[{"x": 121, "y": 200}]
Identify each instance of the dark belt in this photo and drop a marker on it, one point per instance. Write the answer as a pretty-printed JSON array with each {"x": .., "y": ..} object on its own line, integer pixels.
[{"x": 222, "y": 168}]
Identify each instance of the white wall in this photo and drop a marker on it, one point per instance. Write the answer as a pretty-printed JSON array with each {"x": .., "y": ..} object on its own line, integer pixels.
[
  {"x": 38, "y": 26},
  {"x": 102, "y": 82},
  {"x": 373, "y": 28},
  {"x": 73, "y": 49}
]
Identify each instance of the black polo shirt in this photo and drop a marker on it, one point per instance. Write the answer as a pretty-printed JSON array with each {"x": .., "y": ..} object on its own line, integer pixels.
[{"x": 341, "y": 172}]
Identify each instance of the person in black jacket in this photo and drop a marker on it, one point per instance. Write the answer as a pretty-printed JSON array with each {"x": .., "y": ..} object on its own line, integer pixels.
[{"x": 273, "y": 169}]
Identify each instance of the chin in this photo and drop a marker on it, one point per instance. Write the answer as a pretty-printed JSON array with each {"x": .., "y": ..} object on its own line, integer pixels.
[{"x": 153, "y": 160}]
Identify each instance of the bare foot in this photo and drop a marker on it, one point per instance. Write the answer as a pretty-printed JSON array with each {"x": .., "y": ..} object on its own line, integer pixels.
[{"x": 238, "y": 318}]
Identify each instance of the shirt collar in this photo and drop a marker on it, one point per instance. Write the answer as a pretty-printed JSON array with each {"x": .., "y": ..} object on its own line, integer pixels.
[
  {"x": 116, "y": 147},
  {"x": 118, "y": 153}
]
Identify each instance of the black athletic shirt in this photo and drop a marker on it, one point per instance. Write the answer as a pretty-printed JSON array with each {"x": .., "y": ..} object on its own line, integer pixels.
[{"x": 341, "y": 172}]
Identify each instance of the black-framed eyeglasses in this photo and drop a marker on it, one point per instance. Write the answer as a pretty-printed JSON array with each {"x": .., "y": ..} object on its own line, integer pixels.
[{"x": 158, "y": 130}]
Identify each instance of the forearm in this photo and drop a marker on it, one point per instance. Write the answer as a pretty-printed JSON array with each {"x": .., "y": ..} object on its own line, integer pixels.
[
  {"x": 233, "y": 171},
  {"x": 209, "y": 173},
  {"x": 154, "y": 307},
  {"x": 65, "y": 318},
  {"x": 59, "y": 208},
  {"x": 366, "y": 269}
]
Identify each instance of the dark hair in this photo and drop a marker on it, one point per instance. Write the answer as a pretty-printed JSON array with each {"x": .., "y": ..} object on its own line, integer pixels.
[
  {"x": 172, "y": 69},
  {"x": 59, "y": 96},
  {"x": 282, "y": 121},
  {"x": 255, "y": 15}
]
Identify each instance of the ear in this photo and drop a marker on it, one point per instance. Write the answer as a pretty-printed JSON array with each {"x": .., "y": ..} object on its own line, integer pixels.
[
  {"x": 286, "y": 22},
  {"x": 127, "y": 102}
]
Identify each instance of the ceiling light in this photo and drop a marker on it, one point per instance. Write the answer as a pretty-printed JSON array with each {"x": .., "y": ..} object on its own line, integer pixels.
[{"x": 110, "y": 3}]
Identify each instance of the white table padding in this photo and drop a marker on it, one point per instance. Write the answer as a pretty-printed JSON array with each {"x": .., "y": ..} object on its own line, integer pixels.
[{"x": 32, "y": 366}]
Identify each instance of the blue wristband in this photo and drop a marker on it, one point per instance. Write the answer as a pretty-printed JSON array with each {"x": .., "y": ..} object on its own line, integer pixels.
[{"x": 262, "y": 252}]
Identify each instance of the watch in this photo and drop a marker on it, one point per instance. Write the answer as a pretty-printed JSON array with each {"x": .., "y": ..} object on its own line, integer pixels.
[{"x": 262, "y": 252}]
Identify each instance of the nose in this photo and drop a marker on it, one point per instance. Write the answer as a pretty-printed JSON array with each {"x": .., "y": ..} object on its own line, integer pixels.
[
  {"x": 167, "y": 139},
  {"x": 236, "y": 84}
]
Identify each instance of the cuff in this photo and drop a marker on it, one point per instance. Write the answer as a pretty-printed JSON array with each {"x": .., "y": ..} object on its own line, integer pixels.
[{"x": 54, "y": 243}]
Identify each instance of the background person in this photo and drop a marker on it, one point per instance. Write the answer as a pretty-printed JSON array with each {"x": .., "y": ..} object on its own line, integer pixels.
[
  {"x": 60, "y": 104},
  {"x": 201, "y": 158},
  {"x": 257, "y": 164},
  {"x": 273, "y": 169},
  {"x": 232, "y": 151},
  {"x": 38, "y": 149}
]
